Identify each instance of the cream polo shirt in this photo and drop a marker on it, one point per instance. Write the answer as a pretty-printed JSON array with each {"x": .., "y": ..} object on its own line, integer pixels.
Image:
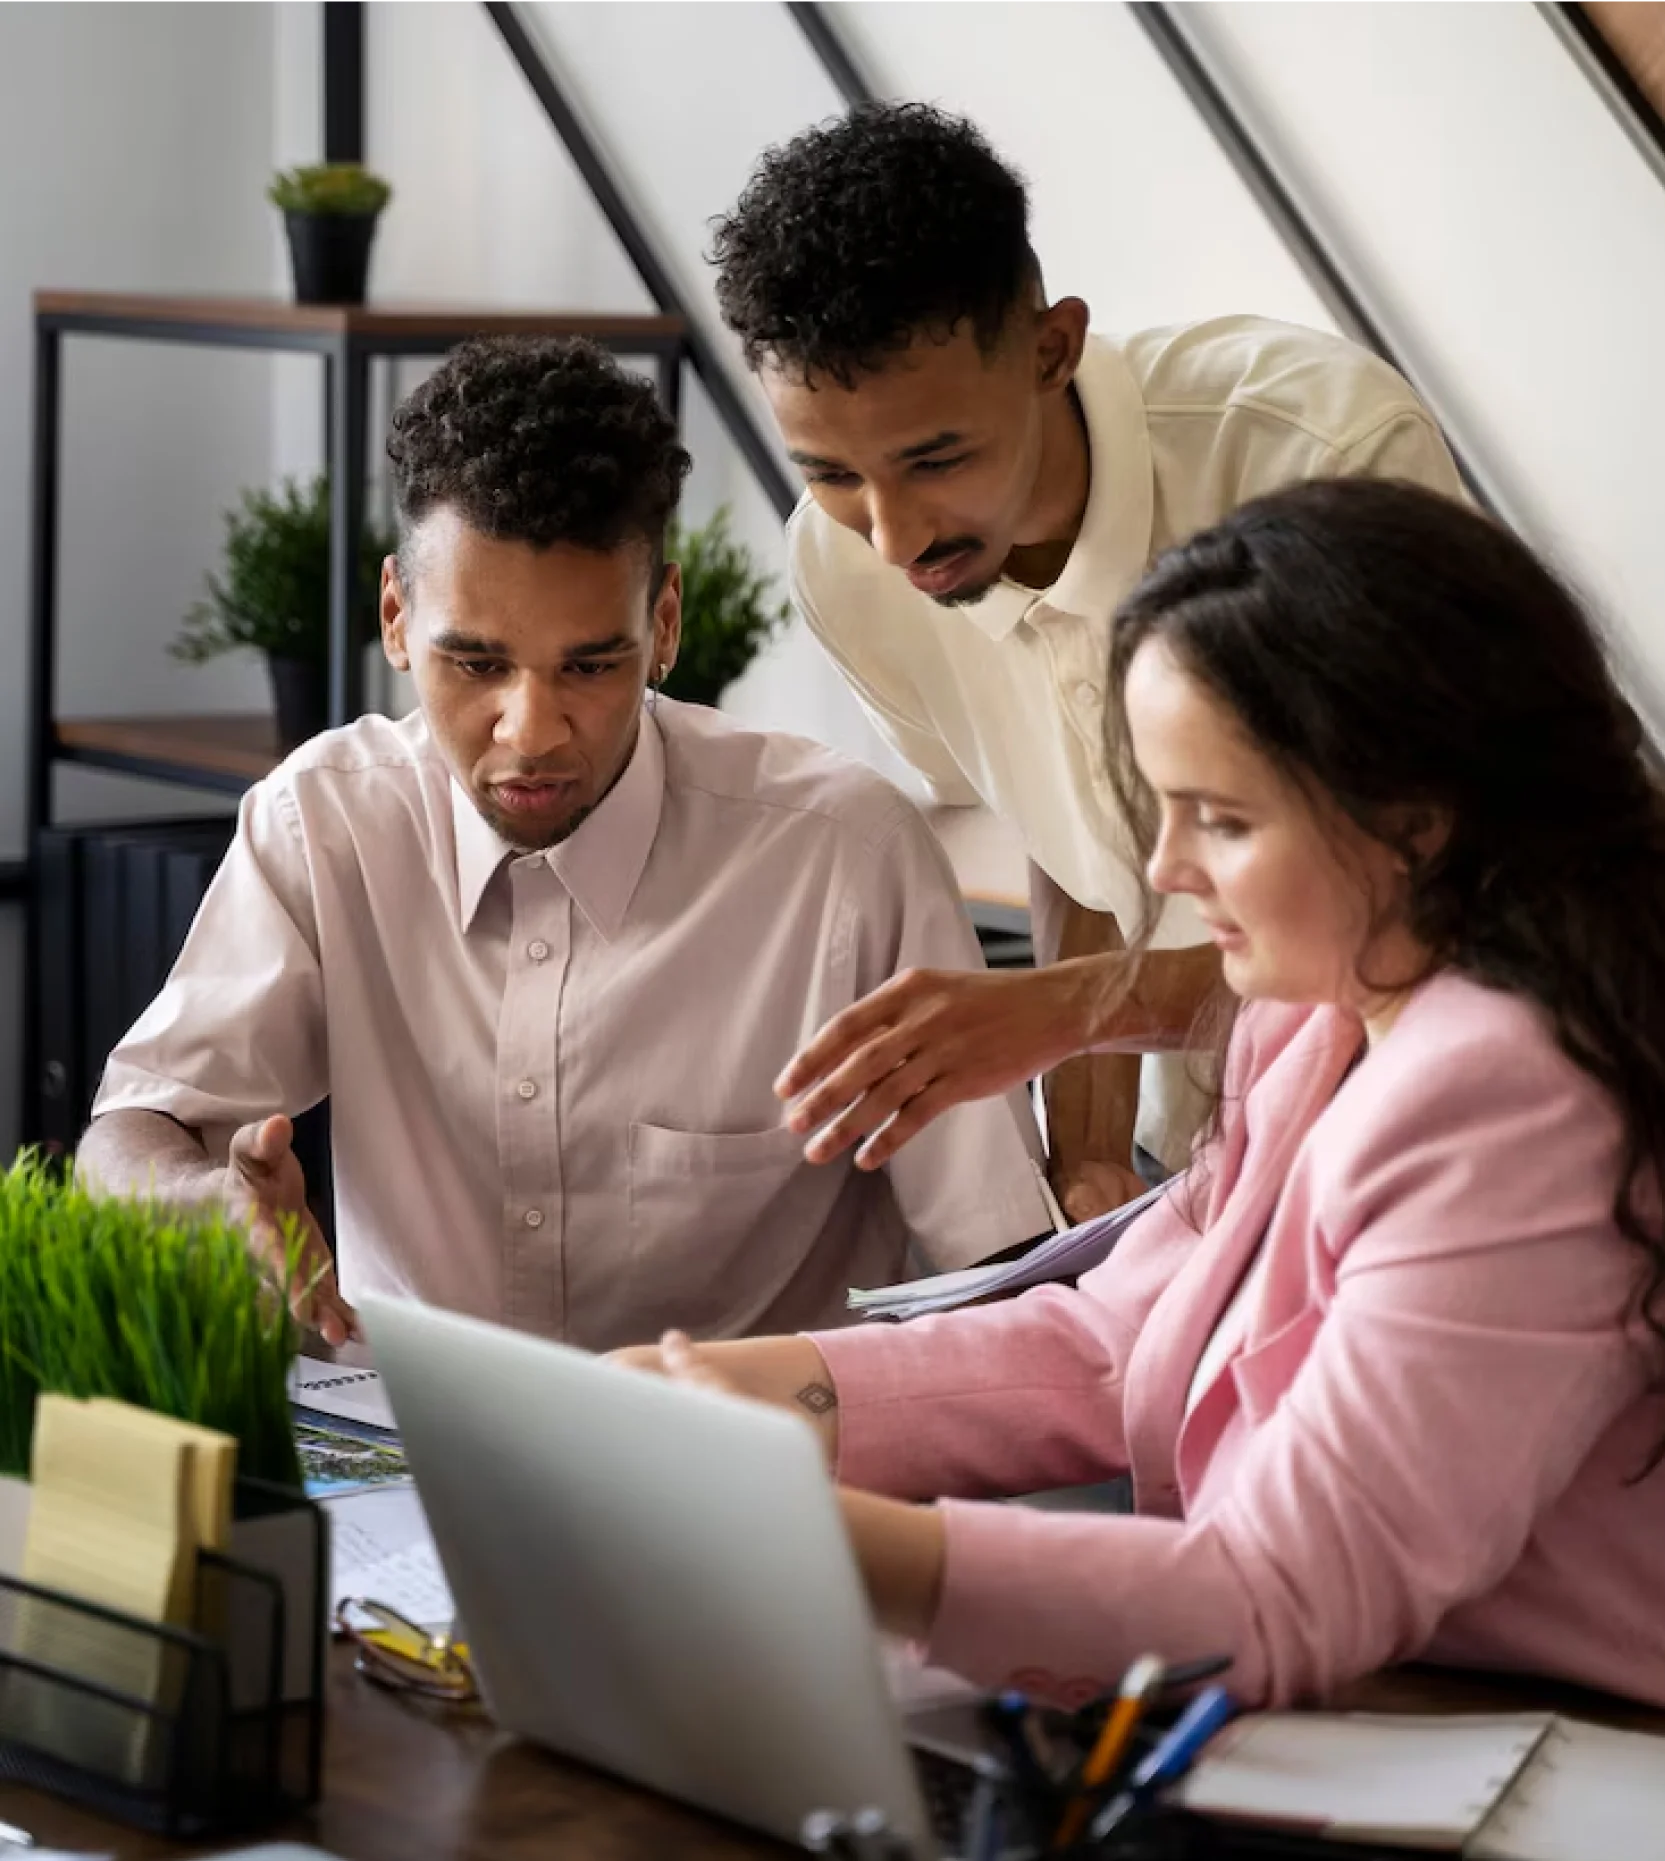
[{"x": 1003, "y": 701}]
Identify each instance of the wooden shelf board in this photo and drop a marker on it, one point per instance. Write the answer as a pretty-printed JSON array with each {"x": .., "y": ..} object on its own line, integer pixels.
[
  {"x": 241, "y": 744},
  {"x": 454, "y": 321}
]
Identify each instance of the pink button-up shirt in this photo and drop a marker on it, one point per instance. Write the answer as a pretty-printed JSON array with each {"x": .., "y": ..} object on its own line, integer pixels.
[
  {"x": 1422, "y": 1443},
  {"x": 550, "y": 1074}
]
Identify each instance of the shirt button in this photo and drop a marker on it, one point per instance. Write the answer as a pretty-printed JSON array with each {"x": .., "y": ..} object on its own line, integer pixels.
[
  {"x": 537, "y": 950},
  {"x": 528, "y": 1088},
  {"x": 534, "y": 1218}
]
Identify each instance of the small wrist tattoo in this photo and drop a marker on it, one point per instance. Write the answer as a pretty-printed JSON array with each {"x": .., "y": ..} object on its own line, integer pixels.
[{"x": 818, "y": 1398}]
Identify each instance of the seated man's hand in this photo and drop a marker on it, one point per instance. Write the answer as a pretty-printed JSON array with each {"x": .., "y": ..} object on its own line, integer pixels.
[
  {"x": 924, "y": 1041},
  {"x": 677, "y": 1357},
  {"x": 1097, "y": 1187},
  {"x": 265, "y": 1191}
]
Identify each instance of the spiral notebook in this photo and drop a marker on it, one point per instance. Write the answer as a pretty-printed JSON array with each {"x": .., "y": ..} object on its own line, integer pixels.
[{"x": 1523, "y": 1787}]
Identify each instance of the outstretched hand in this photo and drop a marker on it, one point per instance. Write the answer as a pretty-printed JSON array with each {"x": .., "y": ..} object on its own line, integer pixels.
[
  {"x": 928, "y": 1039},
  {"x": 265, "y": 1190}
]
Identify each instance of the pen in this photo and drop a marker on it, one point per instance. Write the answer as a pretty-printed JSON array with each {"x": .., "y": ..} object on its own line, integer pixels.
[
  {"x": 1172, "y": 1757},
  {"x": 982, "y": 1838},
  {"x": 1009, "y": 1714},
  {"x": 1190, "y": 1673},
  {"x": 1139, "y": 1686}
]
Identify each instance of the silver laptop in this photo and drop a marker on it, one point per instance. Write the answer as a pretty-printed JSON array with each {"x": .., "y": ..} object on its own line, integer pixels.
[{"x": 654, "y": 1579}]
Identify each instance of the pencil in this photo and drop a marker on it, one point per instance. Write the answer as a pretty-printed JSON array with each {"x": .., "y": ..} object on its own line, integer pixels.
[{"x": 1139, "y": 1683}]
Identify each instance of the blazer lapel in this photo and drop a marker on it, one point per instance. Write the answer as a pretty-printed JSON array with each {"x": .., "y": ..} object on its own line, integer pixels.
[{"x": 1279, "y": 1109}]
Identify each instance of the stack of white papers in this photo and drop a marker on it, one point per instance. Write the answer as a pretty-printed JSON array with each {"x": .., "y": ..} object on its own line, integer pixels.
[{"x": 1064, "y": 1256}]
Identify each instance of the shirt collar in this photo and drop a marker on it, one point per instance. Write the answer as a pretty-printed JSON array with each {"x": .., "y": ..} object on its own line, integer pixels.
[
  {"x": 600, "y": 864},
  {"x": 1113, "y": 548}
]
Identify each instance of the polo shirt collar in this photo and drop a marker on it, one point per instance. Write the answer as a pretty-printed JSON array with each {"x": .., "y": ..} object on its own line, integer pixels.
[
  {"x": 1113, "y": 548},
  {"x": 600, "y": 864}
]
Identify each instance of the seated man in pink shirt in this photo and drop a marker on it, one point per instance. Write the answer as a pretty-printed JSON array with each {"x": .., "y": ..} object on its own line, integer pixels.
[
  {"x": 1386, "y": 1365},
  {"x": 546, "y": 943}
]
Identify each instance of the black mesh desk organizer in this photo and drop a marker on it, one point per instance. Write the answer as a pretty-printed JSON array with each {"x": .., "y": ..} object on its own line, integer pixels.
[{"x": 205, "y": 1744}]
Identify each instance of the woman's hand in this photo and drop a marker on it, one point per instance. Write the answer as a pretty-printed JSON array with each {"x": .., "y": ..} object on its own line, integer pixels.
[{"x": 902, "y": 1551}]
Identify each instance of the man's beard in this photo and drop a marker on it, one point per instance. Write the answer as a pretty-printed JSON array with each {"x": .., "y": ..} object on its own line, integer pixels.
[
  {"x": 967, "y": 597},
  {"x": 508, "y": 829}
]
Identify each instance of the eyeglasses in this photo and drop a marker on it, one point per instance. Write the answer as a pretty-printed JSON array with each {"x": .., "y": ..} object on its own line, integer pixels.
[{"x": 396, "y": 1653}]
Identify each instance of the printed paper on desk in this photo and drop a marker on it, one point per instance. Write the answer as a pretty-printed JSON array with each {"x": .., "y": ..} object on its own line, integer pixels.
[
  {"x": 342, "y": 1392},
  {"x": 381, "y": 1549},
  {"x": 1063, "y": 1256}
]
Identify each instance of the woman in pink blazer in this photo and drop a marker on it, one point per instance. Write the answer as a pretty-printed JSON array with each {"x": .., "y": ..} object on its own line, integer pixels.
[{"x": 1385, "y": 1364}]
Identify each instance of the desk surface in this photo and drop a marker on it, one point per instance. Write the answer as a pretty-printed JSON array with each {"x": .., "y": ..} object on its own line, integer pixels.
[
  {"x": 406, "y": 1780},
  {"x": 411, "y": 1780}
]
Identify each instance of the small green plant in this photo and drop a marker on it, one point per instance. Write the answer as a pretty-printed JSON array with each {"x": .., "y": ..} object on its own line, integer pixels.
[
  {"x": 100, "y": 1297},
  {"x": 728, "y": 616},
  {"x": 344, "y": 189},
  {"x": 273, "y": 591}
]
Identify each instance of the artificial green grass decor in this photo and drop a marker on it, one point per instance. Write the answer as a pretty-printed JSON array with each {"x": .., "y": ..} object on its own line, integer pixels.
[{"x": 100, "y": 1297}]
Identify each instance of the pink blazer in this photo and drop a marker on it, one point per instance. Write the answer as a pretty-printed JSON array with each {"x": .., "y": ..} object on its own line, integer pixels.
[{"x": 1423, "y": 1445}]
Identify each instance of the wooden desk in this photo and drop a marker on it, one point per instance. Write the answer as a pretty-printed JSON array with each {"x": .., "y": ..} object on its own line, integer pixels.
[
  {"x": 411, "y": 1780},
  {"x": 406, "y": 1780}
]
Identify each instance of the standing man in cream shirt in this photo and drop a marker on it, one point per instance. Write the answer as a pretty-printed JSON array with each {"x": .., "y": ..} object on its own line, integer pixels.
[{"x": 985, "y": 482}]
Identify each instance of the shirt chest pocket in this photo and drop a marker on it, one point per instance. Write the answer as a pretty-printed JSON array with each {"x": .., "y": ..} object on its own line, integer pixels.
[{"x": 698, "y": 1201}]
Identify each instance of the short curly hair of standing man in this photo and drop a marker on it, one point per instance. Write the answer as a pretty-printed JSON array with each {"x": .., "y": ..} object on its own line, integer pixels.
[
  {"x": 538, "y": 440},
  {"x": 858, "y": 235}
]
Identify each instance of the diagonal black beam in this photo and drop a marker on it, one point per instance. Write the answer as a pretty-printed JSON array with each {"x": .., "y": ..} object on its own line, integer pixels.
[
  {"x": 1629, "y": 104},
  {"x": 343, "y": 80},
  {"x": 1162, "y": 28},
  {"x": 1273, "y": 198},
  {"x": 655, "y": 275},
  {"x": 835, "y": 60}
]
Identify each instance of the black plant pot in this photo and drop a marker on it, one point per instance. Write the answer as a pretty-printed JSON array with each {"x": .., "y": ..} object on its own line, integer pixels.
[
  {"x": 330, "y": 254},
  {"x": 300, "y": 693}
]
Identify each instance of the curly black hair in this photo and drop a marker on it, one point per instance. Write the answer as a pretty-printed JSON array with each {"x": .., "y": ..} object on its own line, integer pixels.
[
  {"x": 864, "y": 232},
  {"x": 539, "y": 440}
]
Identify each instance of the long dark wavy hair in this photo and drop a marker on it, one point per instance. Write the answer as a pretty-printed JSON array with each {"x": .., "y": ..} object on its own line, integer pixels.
[{"x": 1404, "y": 659}]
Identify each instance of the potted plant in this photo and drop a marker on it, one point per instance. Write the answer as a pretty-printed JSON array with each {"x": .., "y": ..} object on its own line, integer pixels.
[
  {"x": 167, "y": 1310},
  {"x": 728, "y": 616},
  {"x": 273, "y": 594},
  {"x": 329, "y": 212}
]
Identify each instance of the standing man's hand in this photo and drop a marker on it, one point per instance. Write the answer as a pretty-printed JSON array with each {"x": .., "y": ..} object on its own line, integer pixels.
[
  {"x": 929, "y": 1039},
  {"x": 264, "y": 1184}
]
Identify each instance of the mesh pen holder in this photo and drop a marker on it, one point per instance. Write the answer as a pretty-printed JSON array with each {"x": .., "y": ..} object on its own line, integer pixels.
[{"x": 186, "y": 1732}]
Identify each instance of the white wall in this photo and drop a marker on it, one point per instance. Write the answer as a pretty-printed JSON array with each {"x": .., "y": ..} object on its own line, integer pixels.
[
  {"x": 136, "y": 142},
  {"x": 1512, "y": 243},
  {"x": 1133, "y": 207}
]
